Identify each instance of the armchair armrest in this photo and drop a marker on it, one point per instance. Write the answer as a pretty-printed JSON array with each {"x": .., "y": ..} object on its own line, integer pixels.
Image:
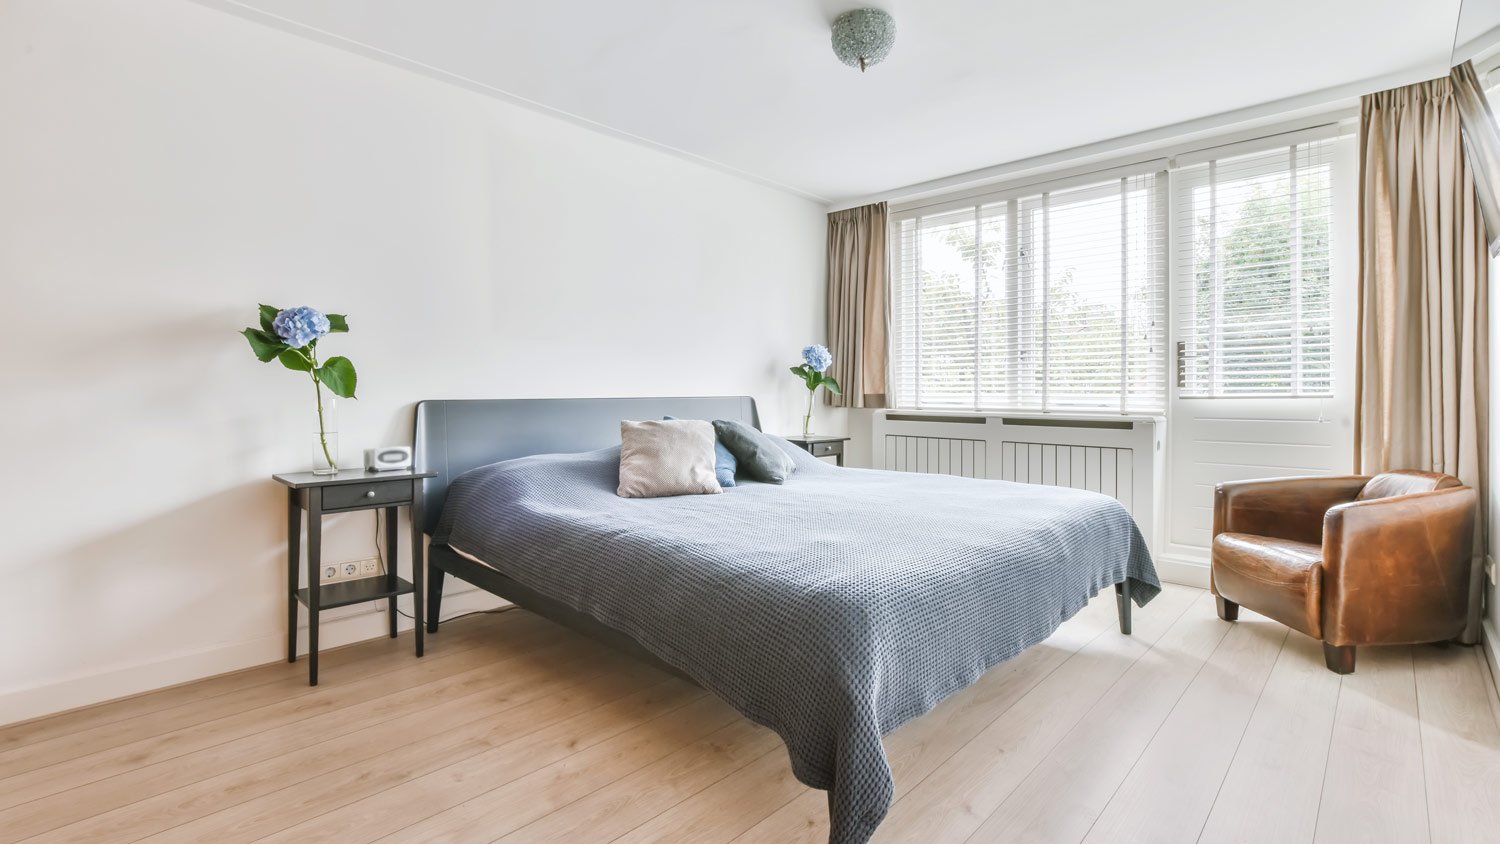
[
  {"x": 1282, "y": 508},
  {"x": 1396, "y": 570}
]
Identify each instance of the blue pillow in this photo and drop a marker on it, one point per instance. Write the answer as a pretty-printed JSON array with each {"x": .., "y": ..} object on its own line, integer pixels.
[
  {"x": 755, "y": 452},
  {"x": 724, "y": 462}
]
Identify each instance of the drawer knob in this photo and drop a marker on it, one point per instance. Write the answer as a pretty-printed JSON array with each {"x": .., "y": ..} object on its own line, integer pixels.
[{"x": 370, "y": 494}]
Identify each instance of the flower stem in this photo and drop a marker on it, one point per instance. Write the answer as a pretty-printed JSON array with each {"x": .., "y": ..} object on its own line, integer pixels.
[{"x": 322, "y": 433}]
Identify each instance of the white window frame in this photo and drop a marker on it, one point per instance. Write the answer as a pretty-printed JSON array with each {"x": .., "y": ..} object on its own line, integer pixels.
[
  {"x": 1189, "y": 173},
  {"x": 1105, "y": 182}
]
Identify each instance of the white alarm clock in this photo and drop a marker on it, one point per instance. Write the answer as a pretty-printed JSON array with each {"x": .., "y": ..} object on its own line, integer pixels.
[{"x": 388, "y": 458}]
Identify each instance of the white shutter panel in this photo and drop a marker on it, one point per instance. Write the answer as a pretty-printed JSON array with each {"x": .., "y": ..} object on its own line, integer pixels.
[{"x": 1253, "y": 269}]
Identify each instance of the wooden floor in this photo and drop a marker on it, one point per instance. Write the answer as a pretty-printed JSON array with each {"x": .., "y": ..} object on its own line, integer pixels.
[{"x": 512, "y": 729}]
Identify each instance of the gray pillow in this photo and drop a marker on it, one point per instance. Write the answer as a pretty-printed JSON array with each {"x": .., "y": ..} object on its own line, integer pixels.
[
  {"x": 757, "y": 454},
  {"x": 666, "y": 458}
]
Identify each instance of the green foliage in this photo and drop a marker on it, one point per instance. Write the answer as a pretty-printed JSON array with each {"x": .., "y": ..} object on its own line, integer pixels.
[
  {"x": 336, "y": 373},
  {"x": 264, "y": 344},
  {"x": 295, "y": 360},
  {"x": 815, "y": 379}
]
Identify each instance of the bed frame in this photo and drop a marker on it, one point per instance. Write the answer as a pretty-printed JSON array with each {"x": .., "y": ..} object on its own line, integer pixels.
[{"x": 454, "y": 436}]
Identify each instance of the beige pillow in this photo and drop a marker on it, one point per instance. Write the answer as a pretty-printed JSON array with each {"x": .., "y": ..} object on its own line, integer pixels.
[{"x": 667, "y": 457}]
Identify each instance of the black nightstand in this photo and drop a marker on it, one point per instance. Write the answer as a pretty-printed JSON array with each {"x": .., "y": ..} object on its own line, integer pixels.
[
  {"x": 819, "y": 445},
  {"x": 346, "y": 492}
]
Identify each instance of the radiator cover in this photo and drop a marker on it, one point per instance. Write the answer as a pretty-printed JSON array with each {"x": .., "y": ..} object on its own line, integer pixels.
[{"x": 1122, "y": 457}]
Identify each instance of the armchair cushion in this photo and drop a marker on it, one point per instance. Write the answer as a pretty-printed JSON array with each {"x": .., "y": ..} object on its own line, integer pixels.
[
  {"x": 1279, "y": 578},
  {"x": 1391, "y": 484}
]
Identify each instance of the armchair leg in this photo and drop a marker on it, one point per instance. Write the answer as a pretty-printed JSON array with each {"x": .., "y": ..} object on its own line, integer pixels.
[
  {"x": 1228, "y": 610},
  {"x": 1340, "y": 658}
]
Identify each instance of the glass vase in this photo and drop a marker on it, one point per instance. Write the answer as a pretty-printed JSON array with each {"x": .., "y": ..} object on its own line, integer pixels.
[
  {"x": 325, "y": 440},
  {"x": 807, "y": 418}
]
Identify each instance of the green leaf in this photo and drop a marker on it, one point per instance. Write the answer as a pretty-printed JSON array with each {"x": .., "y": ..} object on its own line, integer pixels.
[
  {"x": 832, "y": 385},
  {"x": 267, "y": 314},
  {"x": 294, "y": 359},
  {"x": 338, "y": 374},
  {"x": 264, "y": 344},
  {"x": 337, "y": 323}
]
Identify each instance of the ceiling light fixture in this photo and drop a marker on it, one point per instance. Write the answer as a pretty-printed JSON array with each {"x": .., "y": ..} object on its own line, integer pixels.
[{"x": 863, "y": 37}]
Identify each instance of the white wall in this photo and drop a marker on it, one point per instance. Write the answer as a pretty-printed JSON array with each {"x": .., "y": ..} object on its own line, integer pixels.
[{"x": 166, "y": 166}]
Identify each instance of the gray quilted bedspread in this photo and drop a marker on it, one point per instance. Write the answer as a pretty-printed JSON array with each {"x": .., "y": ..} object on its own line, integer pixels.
[{"x": 831, "y": 609}]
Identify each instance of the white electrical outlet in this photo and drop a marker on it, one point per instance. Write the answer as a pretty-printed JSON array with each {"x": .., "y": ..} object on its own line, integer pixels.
[{"x": 350, "y": 570}]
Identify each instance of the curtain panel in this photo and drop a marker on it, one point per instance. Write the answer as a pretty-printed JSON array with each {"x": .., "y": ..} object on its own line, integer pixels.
[
  {"x": 1481, "y": 146},
  {"x": 858, "y": 305},
  {"x": 1423, "y": 369}
]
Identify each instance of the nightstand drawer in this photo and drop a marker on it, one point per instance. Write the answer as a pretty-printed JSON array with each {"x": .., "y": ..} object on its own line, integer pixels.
[
  {"x": 369, "y": 494},
  {"x": 825, "y": 449}
]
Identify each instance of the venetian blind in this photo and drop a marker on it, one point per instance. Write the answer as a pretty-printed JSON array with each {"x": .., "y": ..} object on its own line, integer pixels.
[
  {"x": 1253, "y": 267},
  {"x": 1051, "y": 300}
]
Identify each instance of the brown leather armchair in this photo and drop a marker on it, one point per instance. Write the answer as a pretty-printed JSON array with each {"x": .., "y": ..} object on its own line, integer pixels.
[{"x": 1349, "y": 560}]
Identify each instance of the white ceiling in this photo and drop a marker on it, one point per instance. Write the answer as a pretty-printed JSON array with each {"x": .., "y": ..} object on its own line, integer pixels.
[{"x": 753, "y": 85}]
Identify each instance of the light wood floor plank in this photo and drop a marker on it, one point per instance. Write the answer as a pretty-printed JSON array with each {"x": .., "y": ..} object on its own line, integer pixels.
[
  {"x": 617, "y": 808},
  {"x": 1282, "y": 755},
  {"x": 335, "y": 663},
  {"x": 84, "y": 742},
  {"x": 214, "y": 782},
  {"x": 405, "y": 798},
  {"x": 728, "y": 807},
  {"x": 507, "y": 807},
  {"x": 82, "y": 770},
  {"x": 1062, "y": 797},
  {"x": 917, "y": 748},
  {"x": 1373, "y": 790},
  {"x": 961, "y": 793},
  {"x": 1167, "y": 796},
  {"x": 1460, "y": 744},
  {"x": 579, "y": 713},
  {"x": 514, "y": 729}
]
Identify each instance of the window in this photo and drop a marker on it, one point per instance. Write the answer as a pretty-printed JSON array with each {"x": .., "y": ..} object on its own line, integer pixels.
[
  {"x": 1253, "y": 269},
  {"x": 1042, "y": 301}
]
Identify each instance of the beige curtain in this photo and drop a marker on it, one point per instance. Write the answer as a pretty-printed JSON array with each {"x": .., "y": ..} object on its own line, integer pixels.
[
  {"x": 1481, "y": 145},
  {"x": 858, "y": 309},
  {"x": 1423, "y": 379}
]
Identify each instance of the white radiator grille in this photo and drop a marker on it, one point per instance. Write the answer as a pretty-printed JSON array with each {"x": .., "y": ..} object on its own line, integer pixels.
[
  {"x": 1095, "y": 468},
  {"x": 1120, "y": 457},
  {"x": 937, "y": 455}
]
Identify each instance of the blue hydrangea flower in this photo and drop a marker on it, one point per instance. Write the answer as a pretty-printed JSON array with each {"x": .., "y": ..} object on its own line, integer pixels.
[
  {"x": 817, "y": 357},
  {"x": 300, "y": 326}
]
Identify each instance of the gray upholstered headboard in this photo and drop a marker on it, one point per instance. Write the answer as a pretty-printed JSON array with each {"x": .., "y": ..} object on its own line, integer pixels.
[{"x": 456, "y": 435}]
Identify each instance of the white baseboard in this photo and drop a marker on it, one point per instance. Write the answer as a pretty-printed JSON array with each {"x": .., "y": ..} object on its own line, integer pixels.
[
  {"x": 87, "y": 689},
  {"x": 1186, "y": 571}
]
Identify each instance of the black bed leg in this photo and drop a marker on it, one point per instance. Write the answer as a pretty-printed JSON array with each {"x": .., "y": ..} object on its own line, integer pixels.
[
  {"x": 1122, "y": 603},
  {"x": 434, "y": 595}
]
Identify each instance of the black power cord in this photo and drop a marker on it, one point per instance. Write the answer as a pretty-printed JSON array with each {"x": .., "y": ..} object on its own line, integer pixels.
[{"x": 380, "y": 555}]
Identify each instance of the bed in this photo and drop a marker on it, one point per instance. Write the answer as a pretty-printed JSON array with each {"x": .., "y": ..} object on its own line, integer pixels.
[{"x": 831, "y": 609}]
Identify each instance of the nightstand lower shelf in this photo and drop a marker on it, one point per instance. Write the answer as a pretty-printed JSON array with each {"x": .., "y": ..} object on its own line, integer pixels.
[{"x": 346, "y": 592}]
